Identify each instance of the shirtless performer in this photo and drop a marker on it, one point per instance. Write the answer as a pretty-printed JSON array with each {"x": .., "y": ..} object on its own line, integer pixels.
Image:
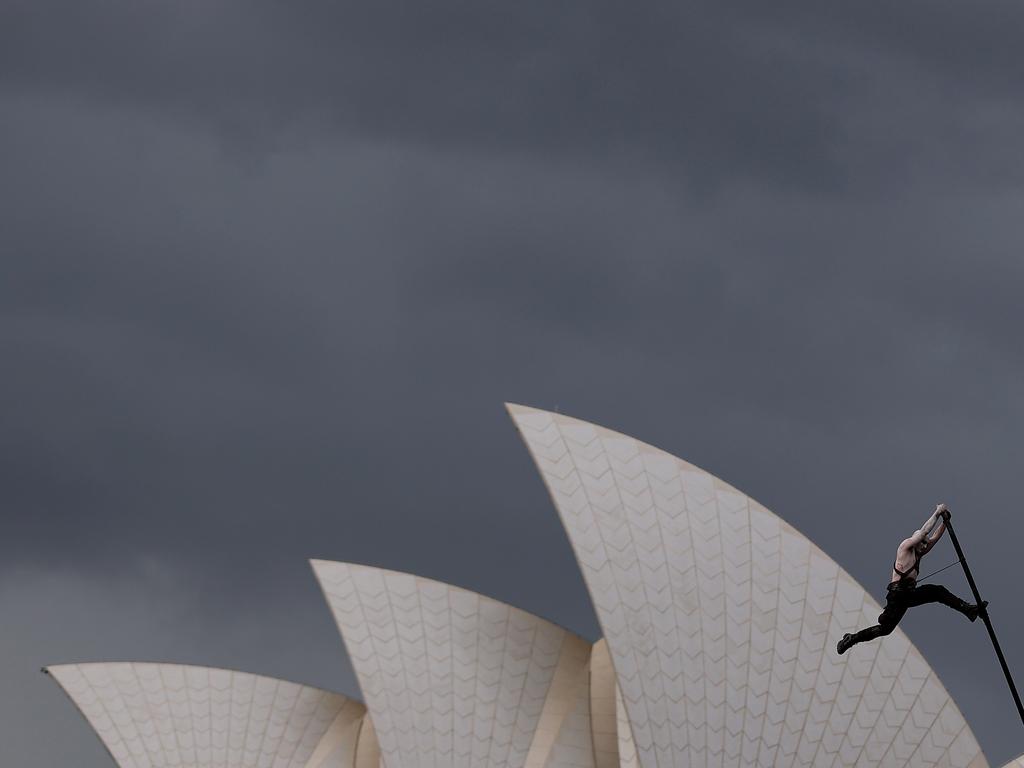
[{"x": 903, "y": 592}]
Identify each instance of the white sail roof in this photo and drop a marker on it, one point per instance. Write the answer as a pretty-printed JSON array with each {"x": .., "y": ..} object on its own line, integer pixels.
[
  {"x": 721, "y": 620},
  {"x": 176, "y": 716},
  {"x": 455, "y": 679}
]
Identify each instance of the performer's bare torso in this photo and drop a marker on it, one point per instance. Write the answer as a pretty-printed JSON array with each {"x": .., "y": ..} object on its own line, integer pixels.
[
  {"x": 908, "y": 560},
  {"x": 907, "y": 566}
]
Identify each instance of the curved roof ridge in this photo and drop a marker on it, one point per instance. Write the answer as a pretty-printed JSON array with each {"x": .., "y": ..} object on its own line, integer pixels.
[
  {"x": 452, "y": 585},
  {"x": 186, "y": 665},
  {"x": 673, "y": 557}
]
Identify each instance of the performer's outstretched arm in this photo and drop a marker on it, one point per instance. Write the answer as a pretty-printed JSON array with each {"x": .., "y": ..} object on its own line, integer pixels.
[
  {"x": 921, "y": 534},
  {"x": 932, "y": 520},
  {"x": 939, "y": 516}
]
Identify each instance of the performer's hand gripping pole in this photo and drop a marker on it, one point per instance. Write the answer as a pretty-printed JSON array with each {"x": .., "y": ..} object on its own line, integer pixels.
[{"x": 984, "y": 616}]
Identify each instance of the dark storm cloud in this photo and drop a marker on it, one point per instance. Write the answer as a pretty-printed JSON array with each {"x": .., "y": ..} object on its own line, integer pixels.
[
  {"x": 573, "y": 78},
  {"x": 269, "y": 271},
  {"x": 704, "y": 89}
]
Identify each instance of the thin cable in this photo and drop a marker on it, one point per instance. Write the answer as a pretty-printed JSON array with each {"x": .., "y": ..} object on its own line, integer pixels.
[{"x": 955, "y": 562}]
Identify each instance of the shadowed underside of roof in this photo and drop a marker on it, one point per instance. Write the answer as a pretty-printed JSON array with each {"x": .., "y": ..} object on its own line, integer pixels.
[{"x": 721, "y": 620}]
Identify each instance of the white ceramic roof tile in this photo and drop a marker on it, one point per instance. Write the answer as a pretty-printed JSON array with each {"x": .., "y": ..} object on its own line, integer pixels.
[
  {"x": 1015, "y": 763},
  {"x": 721, "y": 620},
  {"x": 626, "y": 747},
  {"x": 451, "y": 678},
  {"x": 176, "y": 716}
]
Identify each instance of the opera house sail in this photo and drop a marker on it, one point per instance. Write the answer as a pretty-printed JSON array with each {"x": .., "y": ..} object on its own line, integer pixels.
[
  {"x": 720, "y": 617},
  {"x": 719, "y": 623},
  {"x": 453, "y": 678},
  {"x": 155, "y": 715}
]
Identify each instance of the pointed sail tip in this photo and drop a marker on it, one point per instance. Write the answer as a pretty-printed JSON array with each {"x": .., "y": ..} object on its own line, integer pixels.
[{"x": 514, "y": 408}]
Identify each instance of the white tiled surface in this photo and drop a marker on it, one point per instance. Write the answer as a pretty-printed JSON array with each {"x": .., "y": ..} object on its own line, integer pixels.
[
  {"x": 452, "y": 679},
  {"x": 628, "y": 757},
  {"x": 1017, "y": 763},
  {"x": 174, "y": 716},
  {"x": 721, "y": 620}
]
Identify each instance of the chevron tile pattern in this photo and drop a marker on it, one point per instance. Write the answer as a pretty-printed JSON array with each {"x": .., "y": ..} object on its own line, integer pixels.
[
  {"x": 452, "y": 679},
  {"x": 721, "y": 621},
  {"x": 1017, "y": 763},
  {"x": 175, "y": 716}
]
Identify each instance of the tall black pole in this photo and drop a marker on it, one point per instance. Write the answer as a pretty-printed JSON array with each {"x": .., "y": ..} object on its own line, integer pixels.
[{"x": 984, "y": 617}]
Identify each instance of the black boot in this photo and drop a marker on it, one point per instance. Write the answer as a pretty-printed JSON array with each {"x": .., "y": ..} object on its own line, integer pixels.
[
  {"x": 973, "y": 611},
  {"x": 845, "y": 644}
]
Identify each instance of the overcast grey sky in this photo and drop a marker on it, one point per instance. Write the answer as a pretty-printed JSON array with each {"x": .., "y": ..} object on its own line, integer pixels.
[{"x": 269, "y": 271}]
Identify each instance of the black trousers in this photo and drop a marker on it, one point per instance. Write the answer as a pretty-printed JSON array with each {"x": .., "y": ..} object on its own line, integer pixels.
[{"x": 899, "y": 599}]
